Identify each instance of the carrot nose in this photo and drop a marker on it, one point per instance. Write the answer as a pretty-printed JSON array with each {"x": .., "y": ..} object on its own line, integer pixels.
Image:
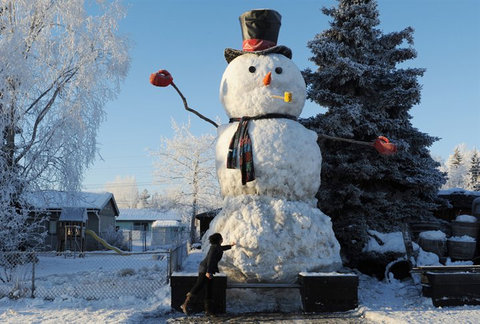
[{"x": 267, "y": 79}]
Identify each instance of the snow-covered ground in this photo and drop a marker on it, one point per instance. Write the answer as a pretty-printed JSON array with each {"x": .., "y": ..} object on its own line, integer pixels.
[{"x": 379, "y": 302}]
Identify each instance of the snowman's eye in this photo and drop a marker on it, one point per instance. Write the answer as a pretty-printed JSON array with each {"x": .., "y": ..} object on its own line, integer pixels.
[
  {"x": 252, "y": 69},
  {"x": 278, "y": 70}
]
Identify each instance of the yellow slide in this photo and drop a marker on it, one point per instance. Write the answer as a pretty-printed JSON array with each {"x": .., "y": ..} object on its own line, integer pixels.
[{"x": 103, "y": 242}]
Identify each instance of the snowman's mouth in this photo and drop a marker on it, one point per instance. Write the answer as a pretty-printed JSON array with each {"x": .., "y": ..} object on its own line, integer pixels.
[{"x": 287, "y": 96}]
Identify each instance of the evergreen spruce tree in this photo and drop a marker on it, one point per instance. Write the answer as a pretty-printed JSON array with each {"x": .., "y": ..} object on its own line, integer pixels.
[
  {"x": 473, "y": 180},
  {"x": 457, "y": 158},
  {"x": 367, "y": 95},
  {"x": 457, "y": 169}
]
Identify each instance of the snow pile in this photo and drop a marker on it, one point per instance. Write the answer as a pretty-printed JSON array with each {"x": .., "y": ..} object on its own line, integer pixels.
[
  {"x": 458, "y": 262},
  {"x": 433, "y": 235},
  {"x": 464, "y": 238},
  {"x": 402, "y": 302},
  {"x": 276, "y": 239},
  {"x": 425, "y": 258},
  {"x": 466, "y": 219},
  {"x": 384, "y": 242},
  {"x": 329, "y": 274}
]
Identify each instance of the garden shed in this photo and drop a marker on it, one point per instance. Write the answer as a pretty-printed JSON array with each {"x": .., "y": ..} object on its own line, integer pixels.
[{"x": 205, "y": 219}]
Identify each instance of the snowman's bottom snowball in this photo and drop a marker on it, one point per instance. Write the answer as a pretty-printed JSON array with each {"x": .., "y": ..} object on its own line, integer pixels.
[{"x": 276, "y": 239}]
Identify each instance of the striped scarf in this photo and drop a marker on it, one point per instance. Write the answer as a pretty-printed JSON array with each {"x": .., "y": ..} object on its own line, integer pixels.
[{"x": 240, "y": 149}]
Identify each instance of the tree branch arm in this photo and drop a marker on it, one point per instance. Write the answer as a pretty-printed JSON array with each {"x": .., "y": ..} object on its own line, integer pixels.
[{"x": 192, "y": 110}]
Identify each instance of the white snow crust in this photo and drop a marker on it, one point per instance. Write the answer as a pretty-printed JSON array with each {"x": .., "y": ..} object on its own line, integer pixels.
[
  {"x": 325, "y": 274},
  {"x": 391, "y": 242},
  {"x": 464, "y": 238},
  {"x": 466, "y": 219},
  {"x": 276, "y": 239},
  {"x": 433, "y": 235}
]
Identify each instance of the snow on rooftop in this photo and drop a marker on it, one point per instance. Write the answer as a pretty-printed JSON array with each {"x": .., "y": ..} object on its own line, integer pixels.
[
  {"x": 147, "y": 215},
  {"x": 73, "y": 214},
  {"x": 458, "y": 191},
  {"x": 51, "y": 199},
  {"x": 167, "y": 223}
]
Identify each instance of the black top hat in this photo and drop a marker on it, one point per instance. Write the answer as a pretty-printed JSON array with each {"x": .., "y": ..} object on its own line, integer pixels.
[{"x": 260, "y": 29}]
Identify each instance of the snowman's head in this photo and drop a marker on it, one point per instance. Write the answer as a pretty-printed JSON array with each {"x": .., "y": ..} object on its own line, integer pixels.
[{"x": 246, "y": 91}]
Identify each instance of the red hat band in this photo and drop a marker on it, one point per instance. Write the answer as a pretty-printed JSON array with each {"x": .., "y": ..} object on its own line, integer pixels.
[{"x": 252, "y": 45}]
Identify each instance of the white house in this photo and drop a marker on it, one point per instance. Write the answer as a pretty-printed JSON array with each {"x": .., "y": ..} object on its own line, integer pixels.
[{"x": 160, "y": 228}]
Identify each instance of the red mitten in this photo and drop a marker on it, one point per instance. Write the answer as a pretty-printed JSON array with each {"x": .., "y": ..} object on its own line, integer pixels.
[
  {"x": 384, "y": 147},
  {"x": 161, "y": 78}
]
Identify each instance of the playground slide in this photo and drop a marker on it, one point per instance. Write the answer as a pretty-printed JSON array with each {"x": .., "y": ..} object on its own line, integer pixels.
[{"x": 103, "y": 242}]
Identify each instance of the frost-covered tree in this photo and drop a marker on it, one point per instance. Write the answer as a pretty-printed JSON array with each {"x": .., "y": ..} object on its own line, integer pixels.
[
  {"x": 125, "y": 191},
  {"x": 457, "y": 168},
  {"x": 21, "y": 228},
  {"x": 59, "y": 66},
  {"x": 473, "y": 175},
  {"x": 366, "y": 95},
  {"x": 143, "y": 199},
  {"x": 187, "y": 163}
]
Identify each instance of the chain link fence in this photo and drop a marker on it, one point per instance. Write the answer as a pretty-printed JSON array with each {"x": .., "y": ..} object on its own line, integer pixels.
[{"x": 89, "y": 275}]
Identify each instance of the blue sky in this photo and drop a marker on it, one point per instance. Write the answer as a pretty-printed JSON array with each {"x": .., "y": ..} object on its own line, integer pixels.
[{"x": 188, "y": 37}]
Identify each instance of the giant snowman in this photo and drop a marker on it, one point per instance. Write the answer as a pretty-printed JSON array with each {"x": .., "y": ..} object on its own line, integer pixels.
[{"x": 268, "y": 164}]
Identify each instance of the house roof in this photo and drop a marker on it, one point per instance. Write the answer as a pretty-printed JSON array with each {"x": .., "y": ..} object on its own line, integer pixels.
[
  {"x": 53, "y": 199},
  {"x": 147, "y": 215},
  {"x": 73, "y": 214},
  {"x": 167, "y": 223},
  {"x": 209, "y": 214}
]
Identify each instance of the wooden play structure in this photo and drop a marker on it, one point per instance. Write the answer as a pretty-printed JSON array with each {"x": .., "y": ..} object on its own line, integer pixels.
[{"x": 71, "y": 230}]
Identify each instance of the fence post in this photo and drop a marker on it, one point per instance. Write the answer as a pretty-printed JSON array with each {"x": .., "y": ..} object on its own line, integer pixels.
[
  {"x": 34, "y": 257},
  {"x": 130, "y": 238},
  {"x": 169, "y": 265}
]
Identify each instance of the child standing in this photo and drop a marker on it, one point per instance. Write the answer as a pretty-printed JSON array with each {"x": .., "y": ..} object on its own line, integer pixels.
[{"x": 208, "y": 267}]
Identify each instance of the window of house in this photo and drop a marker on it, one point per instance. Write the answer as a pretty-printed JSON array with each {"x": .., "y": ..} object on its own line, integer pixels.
[{"x": 140, "y": 226}]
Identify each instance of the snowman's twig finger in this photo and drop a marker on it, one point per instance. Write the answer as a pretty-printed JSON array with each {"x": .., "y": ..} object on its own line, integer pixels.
[
  {"x": 344, "y": 140},
  {"x": 190, "y": 109}
]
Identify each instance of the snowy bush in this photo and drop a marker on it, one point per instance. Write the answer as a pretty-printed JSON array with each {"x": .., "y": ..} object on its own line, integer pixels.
[
  {"x": 126, "y": 272},
  {"x": 115, "y": 238}
]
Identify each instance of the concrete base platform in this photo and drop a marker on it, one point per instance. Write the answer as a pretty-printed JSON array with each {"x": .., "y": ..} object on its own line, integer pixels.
[
  {"x": 453, "y": 289},
  {"x": 275, "y": 318},
  {"x": 320, "y": 292},
  {"x": 328, "y": 292}
]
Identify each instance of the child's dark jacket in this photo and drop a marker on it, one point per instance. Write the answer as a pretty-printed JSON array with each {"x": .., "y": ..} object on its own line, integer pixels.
[{"x": 214, "y": 255}]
